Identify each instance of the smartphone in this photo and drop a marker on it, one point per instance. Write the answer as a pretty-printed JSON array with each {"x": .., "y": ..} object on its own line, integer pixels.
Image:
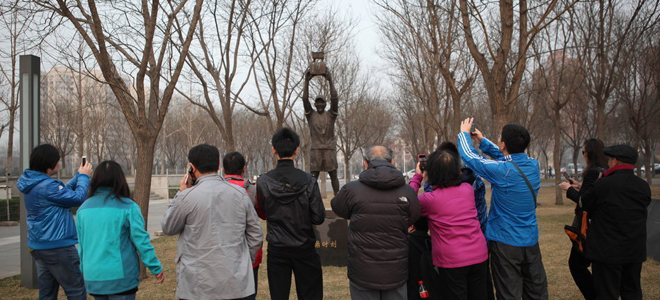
[
  {"x": 567, "y": 178},
  {"x": 421, "y": 158},
  {"x": 84, "y": 160},
  {"x": 191, "y": 175},
  {"x": 472, "y": 128}
]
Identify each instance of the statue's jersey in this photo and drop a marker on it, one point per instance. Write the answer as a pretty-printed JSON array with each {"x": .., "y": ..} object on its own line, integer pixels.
[{"x": 322, "y": 129}]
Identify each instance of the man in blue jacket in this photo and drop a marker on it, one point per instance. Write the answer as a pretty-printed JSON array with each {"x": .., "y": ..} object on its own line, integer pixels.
[
  {"x": 51, "y": 231},
  {"x": 512, "y": 229}
]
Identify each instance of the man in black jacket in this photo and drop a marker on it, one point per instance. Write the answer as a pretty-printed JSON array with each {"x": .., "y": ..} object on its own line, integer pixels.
[
  {"x": 381, "y": 207},
  {"x": 616, "y": 237},
  {"x": 290, "y": 201}
]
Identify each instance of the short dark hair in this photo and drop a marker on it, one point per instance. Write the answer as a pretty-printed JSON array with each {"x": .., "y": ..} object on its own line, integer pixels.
[
  {"x": 44, "y": 157},
  {"x": 285, "y": 141},
  {"x": 109, "y": 174},
  {"x": 233, "y": 163},
  {"x": 515, "y": 137},
  {"x": 205, "y": 157},
  {"x": 443, "y": 169}
]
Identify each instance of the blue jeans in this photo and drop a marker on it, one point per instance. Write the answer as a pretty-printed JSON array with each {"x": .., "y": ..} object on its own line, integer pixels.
[
  {"x": 116, "y": 297},
  {"x": 60, "y": 266}
]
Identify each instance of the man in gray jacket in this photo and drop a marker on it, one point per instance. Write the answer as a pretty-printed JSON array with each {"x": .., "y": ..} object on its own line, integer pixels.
[{"x": 220, "y": 232}]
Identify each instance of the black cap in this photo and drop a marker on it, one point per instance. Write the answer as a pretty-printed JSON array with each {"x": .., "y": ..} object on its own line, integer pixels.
[{"x": 623, "y": 153}]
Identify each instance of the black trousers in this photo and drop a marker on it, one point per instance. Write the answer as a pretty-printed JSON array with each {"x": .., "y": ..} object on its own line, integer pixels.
[
  {"x": 307, "y": 271},
  {"x": 579, "y": 266},
  {"x": 518, "y": 272},
  {"x": 464, "y": 283},
  {"x": 614, "y": 280}
]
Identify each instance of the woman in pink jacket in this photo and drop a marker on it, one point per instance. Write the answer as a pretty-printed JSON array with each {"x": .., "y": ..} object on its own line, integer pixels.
[{"x": 459, "y": 248}]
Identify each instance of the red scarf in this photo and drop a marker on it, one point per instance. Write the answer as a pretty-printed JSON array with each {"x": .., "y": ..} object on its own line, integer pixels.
[{"x": 618, "y": 167}]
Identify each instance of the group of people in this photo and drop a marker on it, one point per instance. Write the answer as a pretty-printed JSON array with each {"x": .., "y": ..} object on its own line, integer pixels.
[{"x": 220, "y": 235}]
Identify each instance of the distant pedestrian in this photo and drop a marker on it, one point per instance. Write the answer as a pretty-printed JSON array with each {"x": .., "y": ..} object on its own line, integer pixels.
[
  {"x": 111, "y": 232},
  {"x": 290, "y": 201},
  {"x": 219, "y": 232},
  {"x": 381, "y": 208},
  {"x": 616, "y": 237},
  {"x": 51, "y": 230}
]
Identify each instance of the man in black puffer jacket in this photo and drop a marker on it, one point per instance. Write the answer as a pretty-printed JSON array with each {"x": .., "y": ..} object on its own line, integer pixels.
[{"x": 381, "y": 207}]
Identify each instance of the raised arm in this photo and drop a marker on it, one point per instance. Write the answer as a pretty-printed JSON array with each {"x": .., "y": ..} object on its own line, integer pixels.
[
  {"x": 305, "y": 96},
  {"x": 334, "y": 98}
]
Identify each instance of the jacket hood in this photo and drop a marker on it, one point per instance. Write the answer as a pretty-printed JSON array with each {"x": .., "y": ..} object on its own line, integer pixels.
[
  {"x": 29, "y": 179},
  {"x": 285, "y": 192},
  {"x": 382, "y": 176}
]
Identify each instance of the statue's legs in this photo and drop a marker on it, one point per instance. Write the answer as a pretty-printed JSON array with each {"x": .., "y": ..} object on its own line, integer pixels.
[{"x": 335, "y": 181}]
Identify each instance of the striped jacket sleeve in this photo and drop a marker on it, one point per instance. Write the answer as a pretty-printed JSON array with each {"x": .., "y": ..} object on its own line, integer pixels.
[{"x": 489, "y": 170}]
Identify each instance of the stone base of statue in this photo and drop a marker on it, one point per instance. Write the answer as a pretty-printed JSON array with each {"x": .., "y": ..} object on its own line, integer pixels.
[{"x": 332, "y": 240}]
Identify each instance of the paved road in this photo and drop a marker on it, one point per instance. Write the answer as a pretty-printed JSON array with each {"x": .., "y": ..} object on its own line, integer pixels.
[{"x": 10, "y": 247}]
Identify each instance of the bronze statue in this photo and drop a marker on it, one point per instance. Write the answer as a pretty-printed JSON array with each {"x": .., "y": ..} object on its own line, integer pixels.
[{"x": 323, "y": 155}]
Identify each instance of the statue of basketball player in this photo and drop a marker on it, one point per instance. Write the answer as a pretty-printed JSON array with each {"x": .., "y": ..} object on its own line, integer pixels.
[{"x": 323, "y": 155}]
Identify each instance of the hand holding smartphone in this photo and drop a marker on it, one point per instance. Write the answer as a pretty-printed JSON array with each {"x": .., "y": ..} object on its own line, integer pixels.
[
  {"x": 568, "y": 178},
  {"x": 421, "y": 158}
]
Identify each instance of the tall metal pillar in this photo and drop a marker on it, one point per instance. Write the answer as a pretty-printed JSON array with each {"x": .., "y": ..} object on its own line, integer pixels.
[{"x": 29, "y": 95}]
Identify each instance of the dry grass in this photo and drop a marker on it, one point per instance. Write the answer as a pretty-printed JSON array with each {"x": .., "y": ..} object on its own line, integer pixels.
[{"x": 554, "y": 246}]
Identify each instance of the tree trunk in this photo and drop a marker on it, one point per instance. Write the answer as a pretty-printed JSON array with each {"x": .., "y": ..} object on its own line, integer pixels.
[
  {"x": 500, "y": 118},
  {"x": 145, "y": 158},
  {"x": 10, "y": 145},
  {"x": 600, "y": 121},
  {"x": 347, "y": 169},
  {"x": 556, "y": 159}
]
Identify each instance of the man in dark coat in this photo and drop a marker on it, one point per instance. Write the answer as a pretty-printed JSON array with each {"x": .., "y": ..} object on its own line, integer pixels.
[
  {"x": 381, "y": 207},
  {"x": 616, "y": 237},
  {"x": 290, "y": 201}
]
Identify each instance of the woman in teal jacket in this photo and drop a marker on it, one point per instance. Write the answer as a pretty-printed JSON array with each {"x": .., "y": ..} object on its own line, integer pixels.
[{"x": 111, "y": 234}]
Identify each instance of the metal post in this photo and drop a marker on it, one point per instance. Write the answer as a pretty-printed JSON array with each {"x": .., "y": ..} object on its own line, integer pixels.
[{"x": 29, "y": 96}]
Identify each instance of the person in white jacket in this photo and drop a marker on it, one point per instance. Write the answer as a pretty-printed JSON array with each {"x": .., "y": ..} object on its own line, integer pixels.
[{"x": 219, "y": 232}]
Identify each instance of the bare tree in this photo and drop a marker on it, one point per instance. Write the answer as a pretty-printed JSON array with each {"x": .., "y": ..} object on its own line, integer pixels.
[
  {"x": 439, "y": 72},
  {"x": 603, "y": 28},
  {"x": 14, "y": 22},
  {"x": 640, "y": 97},
  {"x": 275, "y": 28},
  {"x": 141, "y": 41},
  {"x": 501, "y": 64},
  {"x": 216, "y": 61}
]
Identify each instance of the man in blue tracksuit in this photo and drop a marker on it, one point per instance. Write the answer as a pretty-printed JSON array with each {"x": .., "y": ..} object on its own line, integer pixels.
[
  {"x": 51, "y": 231},
  {"x": 512, "y": 229}
]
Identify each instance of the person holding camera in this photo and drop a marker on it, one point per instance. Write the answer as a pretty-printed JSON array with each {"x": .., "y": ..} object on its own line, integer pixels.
[
  {"x": 219, "y": 232},
  {"x": 459, "y": 248},
  {"x": 51, "y": 230},
  {"x": 512, "y": 228},
  {"x": 578, "y": 264},
  {"x": 111, "y": 233}
]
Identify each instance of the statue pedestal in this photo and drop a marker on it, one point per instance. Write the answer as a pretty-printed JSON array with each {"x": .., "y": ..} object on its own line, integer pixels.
[{"x": 332, "y": 240}]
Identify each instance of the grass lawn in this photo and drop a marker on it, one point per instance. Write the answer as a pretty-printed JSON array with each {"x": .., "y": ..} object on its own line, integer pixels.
[{"x": 555, "y": 248}]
